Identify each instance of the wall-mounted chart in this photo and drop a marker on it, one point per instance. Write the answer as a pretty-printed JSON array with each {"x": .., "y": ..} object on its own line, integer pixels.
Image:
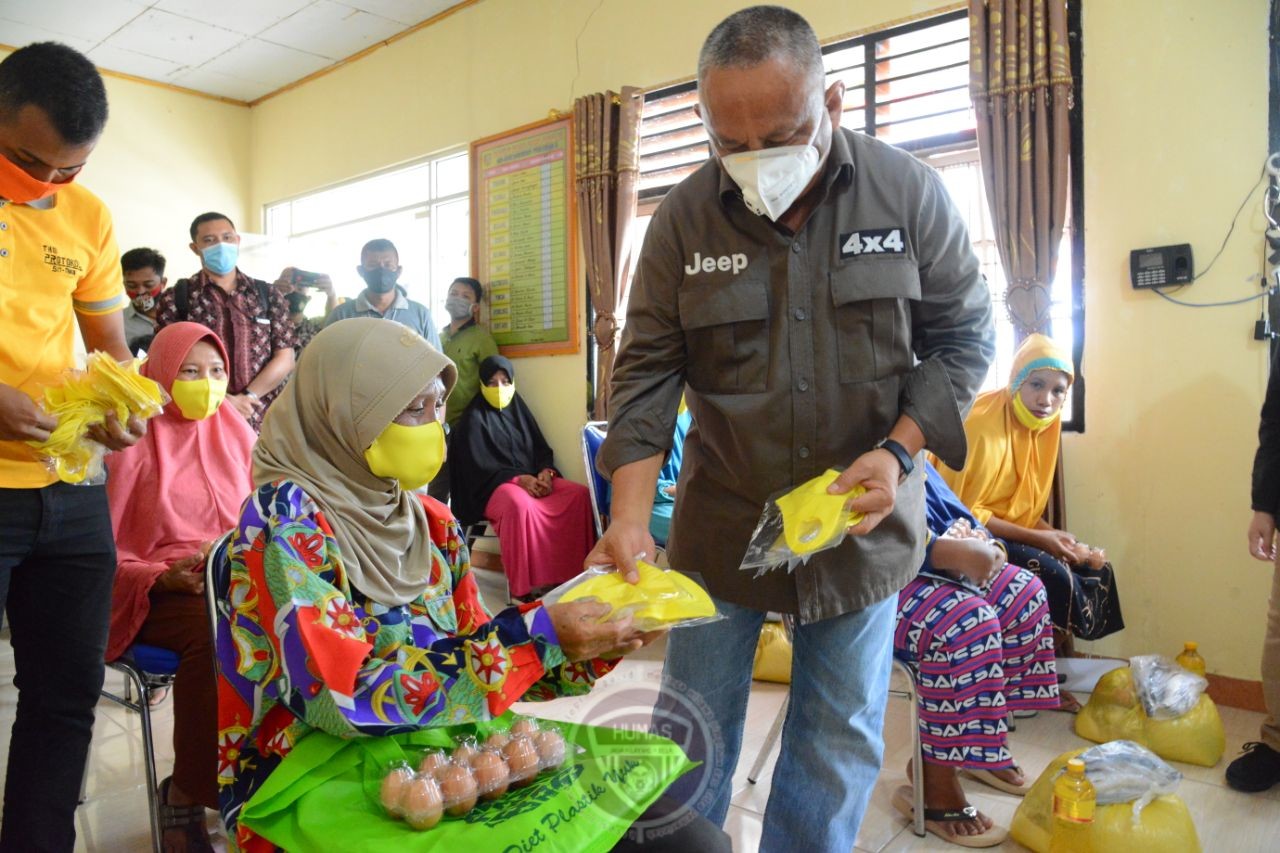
[{"x": 522, "y": 237}]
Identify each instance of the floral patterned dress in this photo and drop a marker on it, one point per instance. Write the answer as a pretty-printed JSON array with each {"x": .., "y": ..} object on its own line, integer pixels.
[{"x": 300, "y": 649}]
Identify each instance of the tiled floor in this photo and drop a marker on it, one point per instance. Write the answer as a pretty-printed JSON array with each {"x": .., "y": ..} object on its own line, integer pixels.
[{"x": 114, "y": 817}]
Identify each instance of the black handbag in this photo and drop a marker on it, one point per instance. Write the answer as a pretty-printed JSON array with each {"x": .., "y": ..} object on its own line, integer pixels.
[{"x": 1095, "y": 602}]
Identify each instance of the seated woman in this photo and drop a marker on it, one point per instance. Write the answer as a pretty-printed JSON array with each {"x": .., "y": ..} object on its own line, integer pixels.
[
  {"x": 504, "y": 472},
  {"x": 977, "y": 632},
  {"x": 353, "y": 607},
  {"x": 1013, "y": 435},
  {"x": 664, "y": 499},
  {"x": 178, "y": 488}
]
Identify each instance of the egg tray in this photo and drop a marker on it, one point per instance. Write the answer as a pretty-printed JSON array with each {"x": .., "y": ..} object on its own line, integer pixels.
[{"x": 449, "y": 784}]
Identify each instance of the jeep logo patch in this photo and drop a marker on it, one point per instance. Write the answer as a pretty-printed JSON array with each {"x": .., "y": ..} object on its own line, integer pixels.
[
  {"x": 735, "y": 263},
  {"x": 872, "y": 241}
]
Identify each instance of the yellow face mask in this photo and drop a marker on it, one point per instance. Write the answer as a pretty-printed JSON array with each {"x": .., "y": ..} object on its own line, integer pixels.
[
  {"x": 1028, "y": 420},
  {"x": 659, "y": 600},
  {"x": 411, "y": 456},
  {"x": 198, "y": 399},
  {"x": 498, "y": 396},
  {"x": 811, "y": 518}
]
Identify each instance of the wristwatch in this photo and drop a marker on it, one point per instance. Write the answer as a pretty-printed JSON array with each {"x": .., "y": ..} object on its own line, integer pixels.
[{"x": 900, "y": 453}]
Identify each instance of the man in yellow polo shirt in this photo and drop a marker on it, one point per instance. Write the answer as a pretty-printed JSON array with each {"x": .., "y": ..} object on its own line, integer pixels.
[{"x": 59, "y": 267}]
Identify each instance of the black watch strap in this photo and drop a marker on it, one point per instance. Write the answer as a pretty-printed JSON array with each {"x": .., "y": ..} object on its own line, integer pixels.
[{"x": 900, "y": 453}]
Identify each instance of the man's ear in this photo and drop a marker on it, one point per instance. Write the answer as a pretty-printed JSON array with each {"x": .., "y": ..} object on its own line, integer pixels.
[{"x": 194, "y": 250}]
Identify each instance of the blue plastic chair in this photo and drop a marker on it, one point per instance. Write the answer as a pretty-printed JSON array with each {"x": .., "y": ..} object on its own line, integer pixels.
[
  {"x": 146, "y": 669},
  {"x": 601, "y": 491}
]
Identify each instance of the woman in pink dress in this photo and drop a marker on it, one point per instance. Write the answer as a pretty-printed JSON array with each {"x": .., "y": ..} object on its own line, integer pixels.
[{"x": 503, "y": 471}]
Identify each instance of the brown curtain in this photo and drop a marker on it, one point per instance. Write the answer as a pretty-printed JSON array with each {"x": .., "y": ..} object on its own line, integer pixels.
[
  {"x": 1020, "y": 82},
  {"x": 606, "y": 130}
]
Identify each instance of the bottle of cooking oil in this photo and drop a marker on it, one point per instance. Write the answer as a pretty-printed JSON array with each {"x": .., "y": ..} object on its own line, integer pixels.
[
  {"x": 1190, "y": 659},
  {"x": 1074, "y": 802}
]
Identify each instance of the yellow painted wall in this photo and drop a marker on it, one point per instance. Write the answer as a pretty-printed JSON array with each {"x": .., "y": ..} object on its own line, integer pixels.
[
  {"x": 165, "y": 157},
  {"x": 1175, "y": 128}
]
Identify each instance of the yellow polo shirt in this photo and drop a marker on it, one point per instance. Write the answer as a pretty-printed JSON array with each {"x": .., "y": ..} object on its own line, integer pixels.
[{"x": 57, "y": 256}]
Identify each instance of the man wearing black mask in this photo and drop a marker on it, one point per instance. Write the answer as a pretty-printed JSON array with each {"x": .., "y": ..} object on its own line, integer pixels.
[{"x": 382, "y": 297}]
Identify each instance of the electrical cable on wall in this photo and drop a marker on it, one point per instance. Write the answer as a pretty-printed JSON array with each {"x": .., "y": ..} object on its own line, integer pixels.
[{"x": 1271, "y": 169}]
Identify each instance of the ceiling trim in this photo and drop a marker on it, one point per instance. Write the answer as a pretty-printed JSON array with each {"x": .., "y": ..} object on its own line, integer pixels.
[
  {"x": 440, "y": 16},
  {"x": 146, "y": 81}
]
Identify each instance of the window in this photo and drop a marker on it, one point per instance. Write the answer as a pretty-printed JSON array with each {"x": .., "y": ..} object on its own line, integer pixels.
[
  {"x": 423, "y": 208},
  {"x": 909, "y": 86}
]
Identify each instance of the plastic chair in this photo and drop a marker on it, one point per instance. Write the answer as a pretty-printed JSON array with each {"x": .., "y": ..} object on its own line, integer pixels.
[
  {"x": 593, "y": 434},
  {"x": 146, "y": 669},
  {"x": 908, "y": 693}
]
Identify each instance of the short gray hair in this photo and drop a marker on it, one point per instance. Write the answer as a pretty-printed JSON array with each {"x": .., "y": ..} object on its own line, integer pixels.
[{"x": 757, "y": 34}]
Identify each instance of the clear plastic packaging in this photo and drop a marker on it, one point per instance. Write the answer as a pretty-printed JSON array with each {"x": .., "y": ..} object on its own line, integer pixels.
[
  {"x": 798, "y": 523},
  {"x": 663, "y": 598},
  {"x": 81, "y": 401},
  {"x": 1126, "y": 772},
  {"x": 1166, "y": 690}
]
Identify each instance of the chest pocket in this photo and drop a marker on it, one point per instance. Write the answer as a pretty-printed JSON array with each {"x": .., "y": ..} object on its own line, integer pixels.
[
  {"x": 873, "y": 317},
  {"x": 726, "y": 327}
]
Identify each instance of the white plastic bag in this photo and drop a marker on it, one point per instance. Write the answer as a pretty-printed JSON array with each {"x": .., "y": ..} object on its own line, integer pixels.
[
  {"x": 1123, "y": 771},
  {"x": 1166, "y": 690}
]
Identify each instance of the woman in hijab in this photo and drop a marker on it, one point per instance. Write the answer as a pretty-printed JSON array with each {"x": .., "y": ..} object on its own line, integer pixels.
[
  {"x": 976, "y": 630},
  {"x": 177, "y": 489},
  {"x": 350, "y": 603},
  {"x": 503, "y": 471},
  {"x": 1013, "y": 434}
]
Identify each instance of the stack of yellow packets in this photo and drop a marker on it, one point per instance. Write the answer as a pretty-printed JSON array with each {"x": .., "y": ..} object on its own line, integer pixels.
[
  {"x": 83, "y": 400},
  {"x": 661, "y": 599}
]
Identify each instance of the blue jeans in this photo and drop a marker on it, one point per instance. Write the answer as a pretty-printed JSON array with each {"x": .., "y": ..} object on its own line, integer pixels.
[
  {"x": 832, "y": 740},
  {"x": 57, "y": 563}
]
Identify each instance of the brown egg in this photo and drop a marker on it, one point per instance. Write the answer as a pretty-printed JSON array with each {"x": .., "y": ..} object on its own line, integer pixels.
[
  {"x": 432, "y": 763},
  {"x": 394, "y": 785},
  {"x": 497, "y": 740},
  {"x": 522, "y": 760},
  {"x": 492, "y": 775},
  {"x": 525, "y": 726},
  {"x": 423, "y": 803},
  {"x": 459, "y": 789},
  {"x": 465, "y": 752},
  {"x": 551, "y": 749}
]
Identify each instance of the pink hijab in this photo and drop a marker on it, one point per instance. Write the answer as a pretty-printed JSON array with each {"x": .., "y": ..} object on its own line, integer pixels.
[{"x": 179, "y": 487}]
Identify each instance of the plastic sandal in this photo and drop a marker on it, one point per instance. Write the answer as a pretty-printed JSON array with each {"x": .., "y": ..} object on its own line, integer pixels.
[
  {"x": 991, "y": 780},
  {"x": 935, "y": 821},
  {"x": 190, "y": 819}
]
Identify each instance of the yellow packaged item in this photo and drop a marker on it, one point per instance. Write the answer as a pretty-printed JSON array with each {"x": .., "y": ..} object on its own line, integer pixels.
[
  {"x": 82, "y": 401},
  {"x": 1163, "y": 825},
  {"x": 1115, "y": 712},
  {"x": 661, "y": 599},
  {"x": 799, "y": 523},
  {"x": 773, "y": 654}
]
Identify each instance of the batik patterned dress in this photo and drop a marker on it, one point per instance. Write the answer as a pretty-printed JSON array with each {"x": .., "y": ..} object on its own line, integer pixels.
[{"x": 300, "y": 649}]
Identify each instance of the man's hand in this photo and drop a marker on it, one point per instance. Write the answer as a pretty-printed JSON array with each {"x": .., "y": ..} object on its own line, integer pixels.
[
  {"x": 113, "y": 435},
  {"x": 584, "y": 637},
  {"x": 533, "y": 485},
  {"x": 620, "y": 546},
  {"x": 1262, "y": 536},
  {"x": 21, "y": 419},
  {"x": 184, "y": 575},
  {"x": 244, "y": 404},
  {"x": 877, "y": 471}
]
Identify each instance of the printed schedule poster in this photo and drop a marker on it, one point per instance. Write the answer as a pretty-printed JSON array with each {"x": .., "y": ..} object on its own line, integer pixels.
[{"x": 523, "y": 237}]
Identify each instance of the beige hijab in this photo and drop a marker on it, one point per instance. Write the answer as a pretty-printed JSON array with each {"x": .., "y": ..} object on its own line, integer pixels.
[{"x": 353, "y": 379}]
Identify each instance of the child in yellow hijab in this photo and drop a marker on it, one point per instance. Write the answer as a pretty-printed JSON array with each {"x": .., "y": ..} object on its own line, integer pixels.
[{"x": 1013, "y": 434}]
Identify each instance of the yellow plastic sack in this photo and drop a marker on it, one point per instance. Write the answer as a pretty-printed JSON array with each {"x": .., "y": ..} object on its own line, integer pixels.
[
  {"x": 82, "y": 401},
  {"x": 661, "y": 599},
  {"x": 1115, "y": 713},
  {"x": 1163, "y": 826},
  {"x": 773, "y": 655},
  {"x": 811, "y": 518}
]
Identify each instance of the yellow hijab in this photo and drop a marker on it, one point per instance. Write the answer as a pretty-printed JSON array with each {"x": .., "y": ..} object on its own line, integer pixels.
[
  {"x": 1009, "y": 470},
  {"x": 353, "y": 379}
]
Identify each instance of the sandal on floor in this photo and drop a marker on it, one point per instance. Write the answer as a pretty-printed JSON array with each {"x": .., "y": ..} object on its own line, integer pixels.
[
  {"x": 190, "y": 819},
  {"x": 991, "y": 780},
  {"x": 158, "y": 695},
  {"x": 1067, "y": 703},
  {"x": 935, "y": 821}
]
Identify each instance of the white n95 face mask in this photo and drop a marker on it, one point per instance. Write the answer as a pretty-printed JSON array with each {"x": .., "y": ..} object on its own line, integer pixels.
[{"x": 771, "y": 179}]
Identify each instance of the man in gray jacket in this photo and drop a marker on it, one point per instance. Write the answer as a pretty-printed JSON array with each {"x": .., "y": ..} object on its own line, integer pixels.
[{"x": 817, "y": 292}]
